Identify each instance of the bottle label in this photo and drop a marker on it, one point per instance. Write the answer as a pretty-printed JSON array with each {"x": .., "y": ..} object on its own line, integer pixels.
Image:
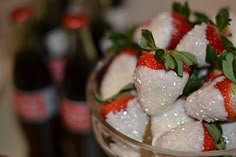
[
  {"x": 76, "y": 116},
  {"x": 36, "y": 106},
  {"x": 56, "y": 66}
]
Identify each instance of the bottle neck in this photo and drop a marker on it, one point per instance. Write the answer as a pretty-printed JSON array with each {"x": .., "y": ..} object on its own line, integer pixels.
[
  {"x": 25, "y": 36},
  {"x": 49, "y": 12},
  {"x": 81, "y": 45}
]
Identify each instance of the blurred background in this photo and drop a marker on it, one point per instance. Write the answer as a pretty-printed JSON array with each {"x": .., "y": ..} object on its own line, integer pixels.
[{"x": 118, "y": 15}]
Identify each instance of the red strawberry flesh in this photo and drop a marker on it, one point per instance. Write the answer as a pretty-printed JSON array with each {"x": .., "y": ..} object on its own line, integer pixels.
[
  {"x": 209, "y": 143},
  {"x": 225, "y": 89},
  {"x": 213, "y": 74},
  {"x": 148, "y": 60},
  {"x": 214, "y": 39},
  {"x": 129, "y": 51},
  {"x": 180, "y": 28},
  {"x": 115, "y": 106}
]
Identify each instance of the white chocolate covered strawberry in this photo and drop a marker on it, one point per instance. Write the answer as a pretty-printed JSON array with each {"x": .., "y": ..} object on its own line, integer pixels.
[
  {"x": 168, "y": 28},
  {"x": 126, "y": 115},
  {"x": 169, "y": 120},
  {"x": 213, "y": 102},
  {"x": 206, "y": 35},
  {"x": 119, "y": 73},
  {"x": 229, "y": 133},
  {"x": 157, "y": 88},
  {"x": 190, "y": 137}
]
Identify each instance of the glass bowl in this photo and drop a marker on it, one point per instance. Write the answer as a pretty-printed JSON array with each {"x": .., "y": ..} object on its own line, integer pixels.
[{"x": 116, "y": 144}]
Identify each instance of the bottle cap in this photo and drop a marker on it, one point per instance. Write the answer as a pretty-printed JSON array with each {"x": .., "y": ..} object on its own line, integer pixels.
[
  {"x": 22, "y": 14},
  {"x": 75, "y": 21}
]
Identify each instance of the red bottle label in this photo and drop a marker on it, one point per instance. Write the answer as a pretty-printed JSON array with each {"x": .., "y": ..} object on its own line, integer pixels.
[
  {"x": 76, "y": 116},
  {"x": 35, "y": 106},
  {"x": 56, "y": 67}
]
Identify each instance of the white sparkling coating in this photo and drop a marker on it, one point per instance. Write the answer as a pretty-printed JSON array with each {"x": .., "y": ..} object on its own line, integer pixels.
[
  {"x": 161, "y": 28},
  {"x": 56, "y": 42},
  {"x": 118, "y": 75},
  {"x": 174, "y": 117},
  {"x": 132, "y": 121},
  {"x": 122, "y": 150},
  {"x": 207, "y": 103},
  {"x": 229, "y": 133},
  {"x": 195, "y": 42},
  {"x": 158, "y": 89},
  {"x": 186, "y": 137}
]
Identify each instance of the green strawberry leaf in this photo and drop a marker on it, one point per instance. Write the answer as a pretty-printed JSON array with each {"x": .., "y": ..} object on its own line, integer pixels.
[
  {"x": 182, "y": 9},
  {"x": 172, "y": 59},
  {"x": 186, "y": 57},
  {"x": 193, "y": 84},
  {"x": 228, "y": 44},
  {"x": 179, "y": 65},
  {"x": 228, "y": 66},
  {"x": 160, "y": 55},
  {"x": 147, "y": 41},
  {"x": 222, "y": 19},
  {"x": 216, "y": 132},
  {"x": 169, "y": 62},
  {"x": 211, "y": 55},
  {"x": 120, "y": 41},
  {"x": 201, "y": 18},
  {"x": 98, "y": 97},
  {"x": 128, "y": 88}
]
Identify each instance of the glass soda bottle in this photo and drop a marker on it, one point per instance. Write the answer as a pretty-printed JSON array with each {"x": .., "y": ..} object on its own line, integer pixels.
[
  {"x": 35, "y": 100},
  {"x": 75, "y": 114}
]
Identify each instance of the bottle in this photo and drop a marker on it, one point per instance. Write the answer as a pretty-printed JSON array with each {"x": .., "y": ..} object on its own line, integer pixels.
[
  {"x": 35, "y": 98},
  {"x": 75, "y": 115}
]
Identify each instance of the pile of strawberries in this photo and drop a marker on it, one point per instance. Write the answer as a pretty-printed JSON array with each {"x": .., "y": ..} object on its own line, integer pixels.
[{"x": 180, "y": 79}]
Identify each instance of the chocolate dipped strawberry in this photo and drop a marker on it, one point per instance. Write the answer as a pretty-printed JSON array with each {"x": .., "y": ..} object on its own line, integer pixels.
[
  {"x": 229, "y": 133},
  {"x": 192, "y": 137},
  {"x": 168, "y": 28},
  {"x": 213, "y": 102},
  {"x": 204, "y": 36},
  {"x": 126, "y": 115},
  {"x": 160, "y": 77},
  {"x": 119, "y": 73},
  {"x": 169, "y": 120}
]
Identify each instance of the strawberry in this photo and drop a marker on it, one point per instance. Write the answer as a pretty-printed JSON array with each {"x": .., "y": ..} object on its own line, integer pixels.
[
  {"x": 197, "y": 40},
  {"x": 157, "y": 88},
  {"x": 213, "y": 74},
  {"x": 168, "y": 28},
  {"x": 161, "y": 77},
  {"x": 172, "y": 118},
  {"x": 126, "y": 115},
  {"x": 213, "y": 102},
  {"x": 201, "y": 37},
  {"x": 119, "y": 73},
  {"x": 137, "y": 34},
  {"x": 191, "y": 136},
  {"x": 229, "y": 132},
  {"x": 228, "y": 91}
]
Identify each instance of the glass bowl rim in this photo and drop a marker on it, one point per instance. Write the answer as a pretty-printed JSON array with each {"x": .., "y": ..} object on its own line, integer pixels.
[{"x": 91, "y": 86}]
